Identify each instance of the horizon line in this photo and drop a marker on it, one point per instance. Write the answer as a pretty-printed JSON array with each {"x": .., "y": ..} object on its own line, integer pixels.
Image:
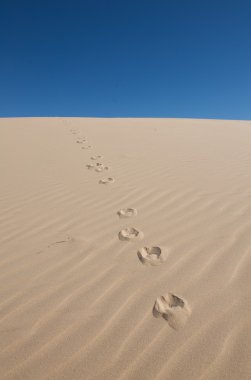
[{"x": 119, "y": 117}]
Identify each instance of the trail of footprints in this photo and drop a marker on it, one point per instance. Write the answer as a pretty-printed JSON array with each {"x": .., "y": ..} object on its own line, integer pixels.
[
  {"x": 172, "y": 308},
  {"x": 96, "y": 164}
]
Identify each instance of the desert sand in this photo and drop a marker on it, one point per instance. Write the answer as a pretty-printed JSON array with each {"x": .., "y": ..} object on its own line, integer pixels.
[{"x": 125, "y": 249}]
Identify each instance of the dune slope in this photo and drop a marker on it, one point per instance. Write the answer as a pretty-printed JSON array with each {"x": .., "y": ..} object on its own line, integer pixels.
[{"x": 103, "y": 220}]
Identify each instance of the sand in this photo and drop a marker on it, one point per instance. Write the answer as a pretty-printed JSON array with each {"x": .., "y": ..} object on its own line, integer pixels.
[{"x": 76, "y": 300}]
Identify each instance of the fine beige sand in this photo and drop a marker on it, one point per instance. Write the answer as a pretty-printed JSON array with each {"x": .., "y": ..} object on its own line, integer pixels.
[{"x": 125, "y": 249}]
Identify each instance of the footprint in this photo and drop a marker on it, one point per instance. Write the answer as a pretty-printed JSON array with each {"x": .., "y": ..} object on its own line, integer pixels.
[
  {"x": 130, "y": 233},
  {"x": 86, "y": 147},
  {"x": 98, "y": 167},
  {"x": 90, "y": 166},
  {"x": 175, "y": 310},
  {"x": 127, "y": 212},
  {"x": 152, "y": 255},
  {"x": 80, "y": 140},
  {"x": 105, "y": 181},
  {"x": 101, "y": 167},
  {"x": 96, "y": 157}
]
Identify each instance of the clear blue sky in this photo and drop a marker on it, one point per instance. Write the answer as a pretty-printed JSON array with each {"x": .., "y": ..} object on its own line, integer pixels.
[{"x": 125, "y": 58}]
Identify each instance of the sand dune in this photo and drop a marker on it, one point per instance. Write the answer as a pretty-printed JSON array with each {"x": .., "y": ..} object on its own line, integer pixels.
[{"x": 75, "y": 300}]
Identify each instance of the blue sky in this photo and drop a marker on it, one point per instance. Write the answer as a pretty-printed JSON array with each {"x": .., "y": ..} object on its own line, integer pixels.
[{"x": 125, "y": 58}]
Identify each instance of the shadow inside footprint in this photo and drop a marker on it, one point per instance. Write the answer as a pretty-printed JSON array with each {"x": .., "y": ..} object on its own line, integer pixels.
[
  {"x": 101, "y": 169},
  {"x": 90, "y": 166},
  {"x": 105, "y": 181},
  {"x": 127, "y": 212},
  {"x": 130, "y": 233},
  {"x": 96, "y": 157},
  {"x": 152, "y": 255},
  {"x": 175, "y": 310}
]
